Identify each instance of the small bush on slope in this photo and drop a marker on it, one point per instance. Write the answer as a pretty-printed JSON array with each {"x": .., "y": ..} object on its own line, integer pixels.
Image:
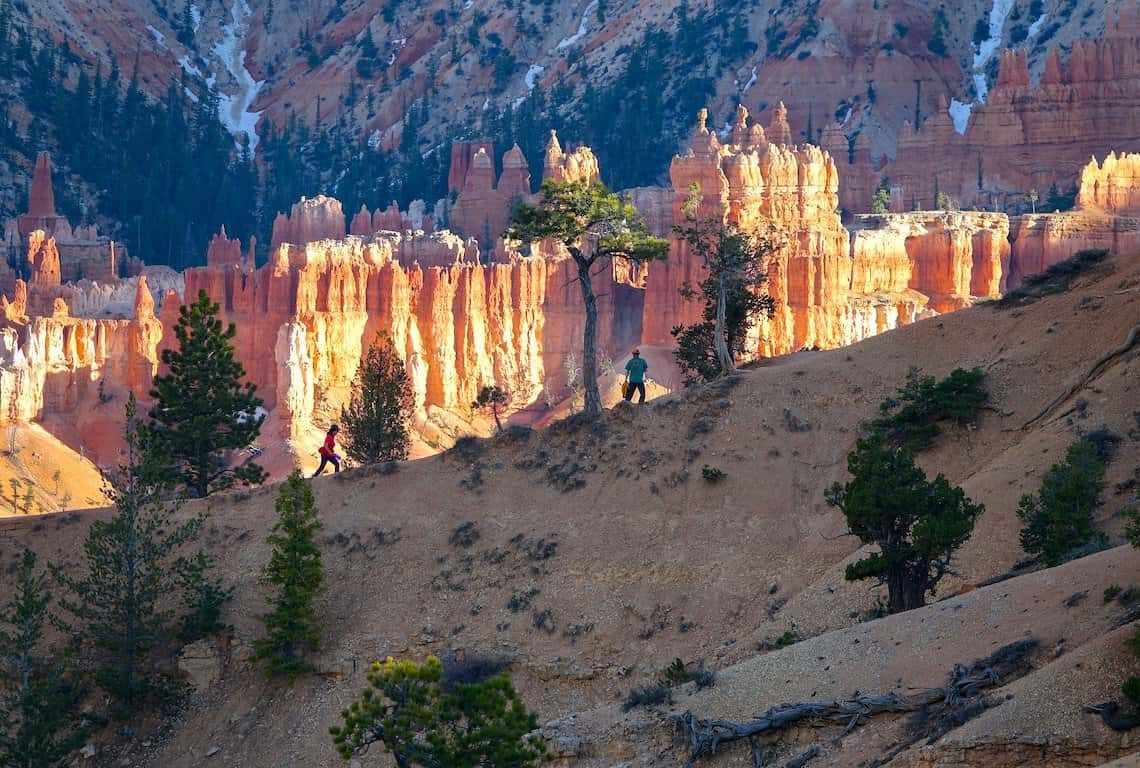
[
  {"x": 1059, "y": 517},
  {"x": 910, "y": 420},
  {"x": 1055, "y": 279}
]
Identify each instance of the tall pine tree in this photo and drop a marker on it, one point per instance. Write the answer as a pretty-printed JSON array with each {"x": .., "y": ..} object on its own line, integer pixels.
[
  {"x": 40, "y": 719},
  {"x": 291, "y": 628},
  {"x": 120, "y": 607},
  {"x": 376, "y": 417},
  {"x": 203, "y": 412}
]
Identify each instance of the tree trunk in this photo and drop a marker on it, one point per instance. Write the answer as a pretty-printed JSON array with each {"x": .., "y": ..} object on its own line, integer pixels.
[
  {"x": 592, "y": 398},
  {"x": 723, "y": 354},
  {"x": 903, "y": 592}
]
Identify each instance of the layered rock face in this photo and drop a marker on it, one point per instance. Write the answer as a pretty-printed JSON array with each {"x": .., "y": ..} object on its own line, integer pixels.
[
  {"x": 831, "y": 288},
  {"x": 1107, "y": 217},
  {"x": 1024, "y": 137},
  {"x": 461, "y": 319},
  {"x": 305, "y": 319},
  {"x": 310, "y": 220},
  {"x": 66, "y": 370},
  {"x": 78, "y": 253},
  {"x": 483, "y": 208}
]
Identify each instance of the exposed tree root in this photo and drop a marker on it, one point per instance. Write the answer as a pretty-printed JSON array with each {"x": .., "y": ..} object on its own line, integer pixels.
[
  {"x": 1098, "y": 368},
  {"x": 1112, "y": 716},
  {"x": 965, "y": 684}
]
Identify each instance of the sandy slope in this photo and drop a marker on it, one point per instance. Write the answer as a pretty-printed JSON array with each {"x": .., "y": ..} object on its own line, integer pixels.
[
  {"x": 653, "y": 563},
  {"x": 32, "y": 456}
]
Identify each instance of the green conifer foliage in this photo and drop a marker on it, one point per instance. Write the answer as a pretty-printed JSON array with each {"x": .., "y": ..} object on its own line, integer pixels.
[
  {"x": 294, "y": 568},
  {"x": 593, "y": 224},
  {"x": 376, "y": 418},
  {"x": 423, "y": 719},
  {"x": 917, "y": 524},
  {"x": 119, "y": 608},
  {"x": 40, "y": 719},
  {"x": 1060, "y": 517},
  {"x": 203, "y": 412}
]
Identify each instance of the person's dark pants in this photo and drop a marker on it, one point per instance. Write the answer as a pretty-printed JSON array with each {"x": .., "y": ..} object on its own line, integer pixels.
[
  {"x": 325, "y": 460},
  {"x": 639, "y": 386}
]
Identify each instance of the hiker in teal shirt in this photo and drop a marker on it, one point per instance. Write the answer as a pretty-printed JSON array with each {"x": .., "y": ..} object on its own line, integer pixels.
[{"x": 635, "y": 374}]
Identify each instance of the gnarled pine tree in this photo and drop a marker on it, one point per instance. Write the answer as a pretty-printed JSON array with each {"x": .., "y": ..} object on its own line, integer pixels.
[
  {"x": 594, "y": 225},
  {"x": 917, "y": 524},
  {"x": 731, "y": 293}
]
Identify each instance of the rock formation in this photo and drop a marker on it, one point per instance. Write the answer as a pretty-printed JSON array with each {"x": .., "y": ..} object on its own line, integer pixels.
[
  {"x": 1107, "y": 217},
  {"x": 463, "y": 317},
  {"x": 43, "y": 260},
  {"x": 306, "y": 317},
  {"x": 1024, "y": 137},
  {"x": 310, "y": 220},
  {"x": 1113, "y": 187},
  {"x": 78, "y": 253}
]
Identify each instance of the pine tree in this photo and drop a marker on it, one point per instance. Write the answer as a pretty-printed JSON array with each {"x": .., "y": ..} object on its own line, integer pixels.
[
  {"x": 291, "y": 628},
  {"x": 492, "y": 398},
  {"x": 593, "y": 224},
  {"x": 917, "y": 524},
  {"x": 1060, "y": 517},
  {"x": 424, "y": 718},
  {"x": 737, "y": 269},
  {"x": 376, "y": 417},
  {"x": 40, "y": 719},
  {"x": 119, "y": 607},
  {"x": 202, "y": 409}
]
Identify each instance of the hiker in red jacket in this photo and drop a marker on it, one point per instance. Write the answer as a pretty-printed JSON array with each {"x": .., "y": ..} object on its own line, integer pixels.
[{"x": 328, "y": 451}]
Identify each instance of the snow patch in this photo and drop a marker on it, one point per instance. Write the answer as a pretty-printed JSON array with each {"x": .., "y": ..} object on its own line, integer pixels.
[
  {"x": 751, "y": 81},
  {"x": 960, "y": 114},
  {"x": 847, "y": 117},
  {"x": 190, "y": 94},
  {"x": 374, "y": 139},
  {"x": 195, "y": 17},
  {"x": 574, "y": 38},
  {"x": 998, "y": 15},
  {"x": 532, "y": 76},
  {"x": 189, "y": 67},
  {"x": 486, "y": 104},
  {"x": 234, "y": 108},
  {"x": 1035, "y": 27},
  {"x": 159, "y": 38}
]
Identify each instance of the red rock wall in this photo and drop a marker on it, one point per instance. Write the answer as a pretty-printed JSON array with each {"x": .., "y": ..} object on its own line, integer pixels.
[{"x": 1024, "y": 137}]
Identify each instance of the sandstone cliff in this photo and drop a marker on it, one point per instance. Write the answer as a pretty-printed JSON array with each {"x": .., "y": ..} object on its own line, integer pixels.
[{"x": 1023, "y": 137}]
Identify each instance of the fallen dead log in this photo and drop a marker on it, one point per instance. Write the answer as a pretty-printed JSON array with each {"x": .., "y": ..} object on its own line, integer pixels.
[{"x": 705, "y": 737}]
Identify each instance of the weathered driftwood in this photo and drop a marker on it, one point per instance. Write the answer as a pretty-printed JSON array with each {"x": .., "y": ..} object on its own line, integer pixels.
[
  {"x": 705, "y": 736},
  {"x": 1113, "y": 716}
]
